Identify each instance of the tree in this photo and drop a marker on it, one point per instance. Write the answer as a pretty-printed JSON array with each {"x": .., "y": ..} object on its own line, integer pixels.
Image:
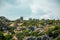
[
  {"x": 21, "y": 18},
  {"x": 4, "y": 19}
]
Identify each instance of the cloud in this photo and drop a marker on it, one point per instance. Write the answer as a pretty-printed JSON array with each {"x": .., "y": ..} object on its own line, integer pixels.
[{"x": 48, "y": 9}]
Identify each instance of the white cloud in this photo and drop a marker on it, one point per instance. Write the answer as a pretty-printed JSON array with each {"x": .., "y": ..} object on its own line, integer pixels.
[
  {"x": 50, "y": 8},
  {"x": 45, "y": 16},
  {"x": 40, "y": 8}
]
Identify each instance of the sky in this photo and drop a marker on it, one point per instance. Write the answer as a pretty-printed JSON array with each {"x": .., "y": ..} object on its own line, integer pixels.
[{"x": 39, "y": 9}]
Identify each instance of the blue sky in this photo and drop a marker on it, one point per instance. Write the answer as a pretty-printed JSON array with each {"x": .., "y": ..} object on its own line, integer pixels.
[{"x": 39, "y": 9}]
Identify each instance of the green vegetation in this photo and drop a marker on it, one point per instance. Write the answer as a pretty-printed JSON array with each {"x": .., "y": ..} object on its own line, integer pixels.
[{"x": 32, "y": 28}]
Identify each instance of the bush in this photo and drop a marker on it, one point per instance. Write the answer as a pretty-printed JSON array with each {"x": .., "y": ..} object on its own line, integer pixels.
[
  {"x": 58, "y": 38},
  {"x": 19, "y": 36},
  {"x": 8, "y": 37},
  {"x": 1, "y": 36}
]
